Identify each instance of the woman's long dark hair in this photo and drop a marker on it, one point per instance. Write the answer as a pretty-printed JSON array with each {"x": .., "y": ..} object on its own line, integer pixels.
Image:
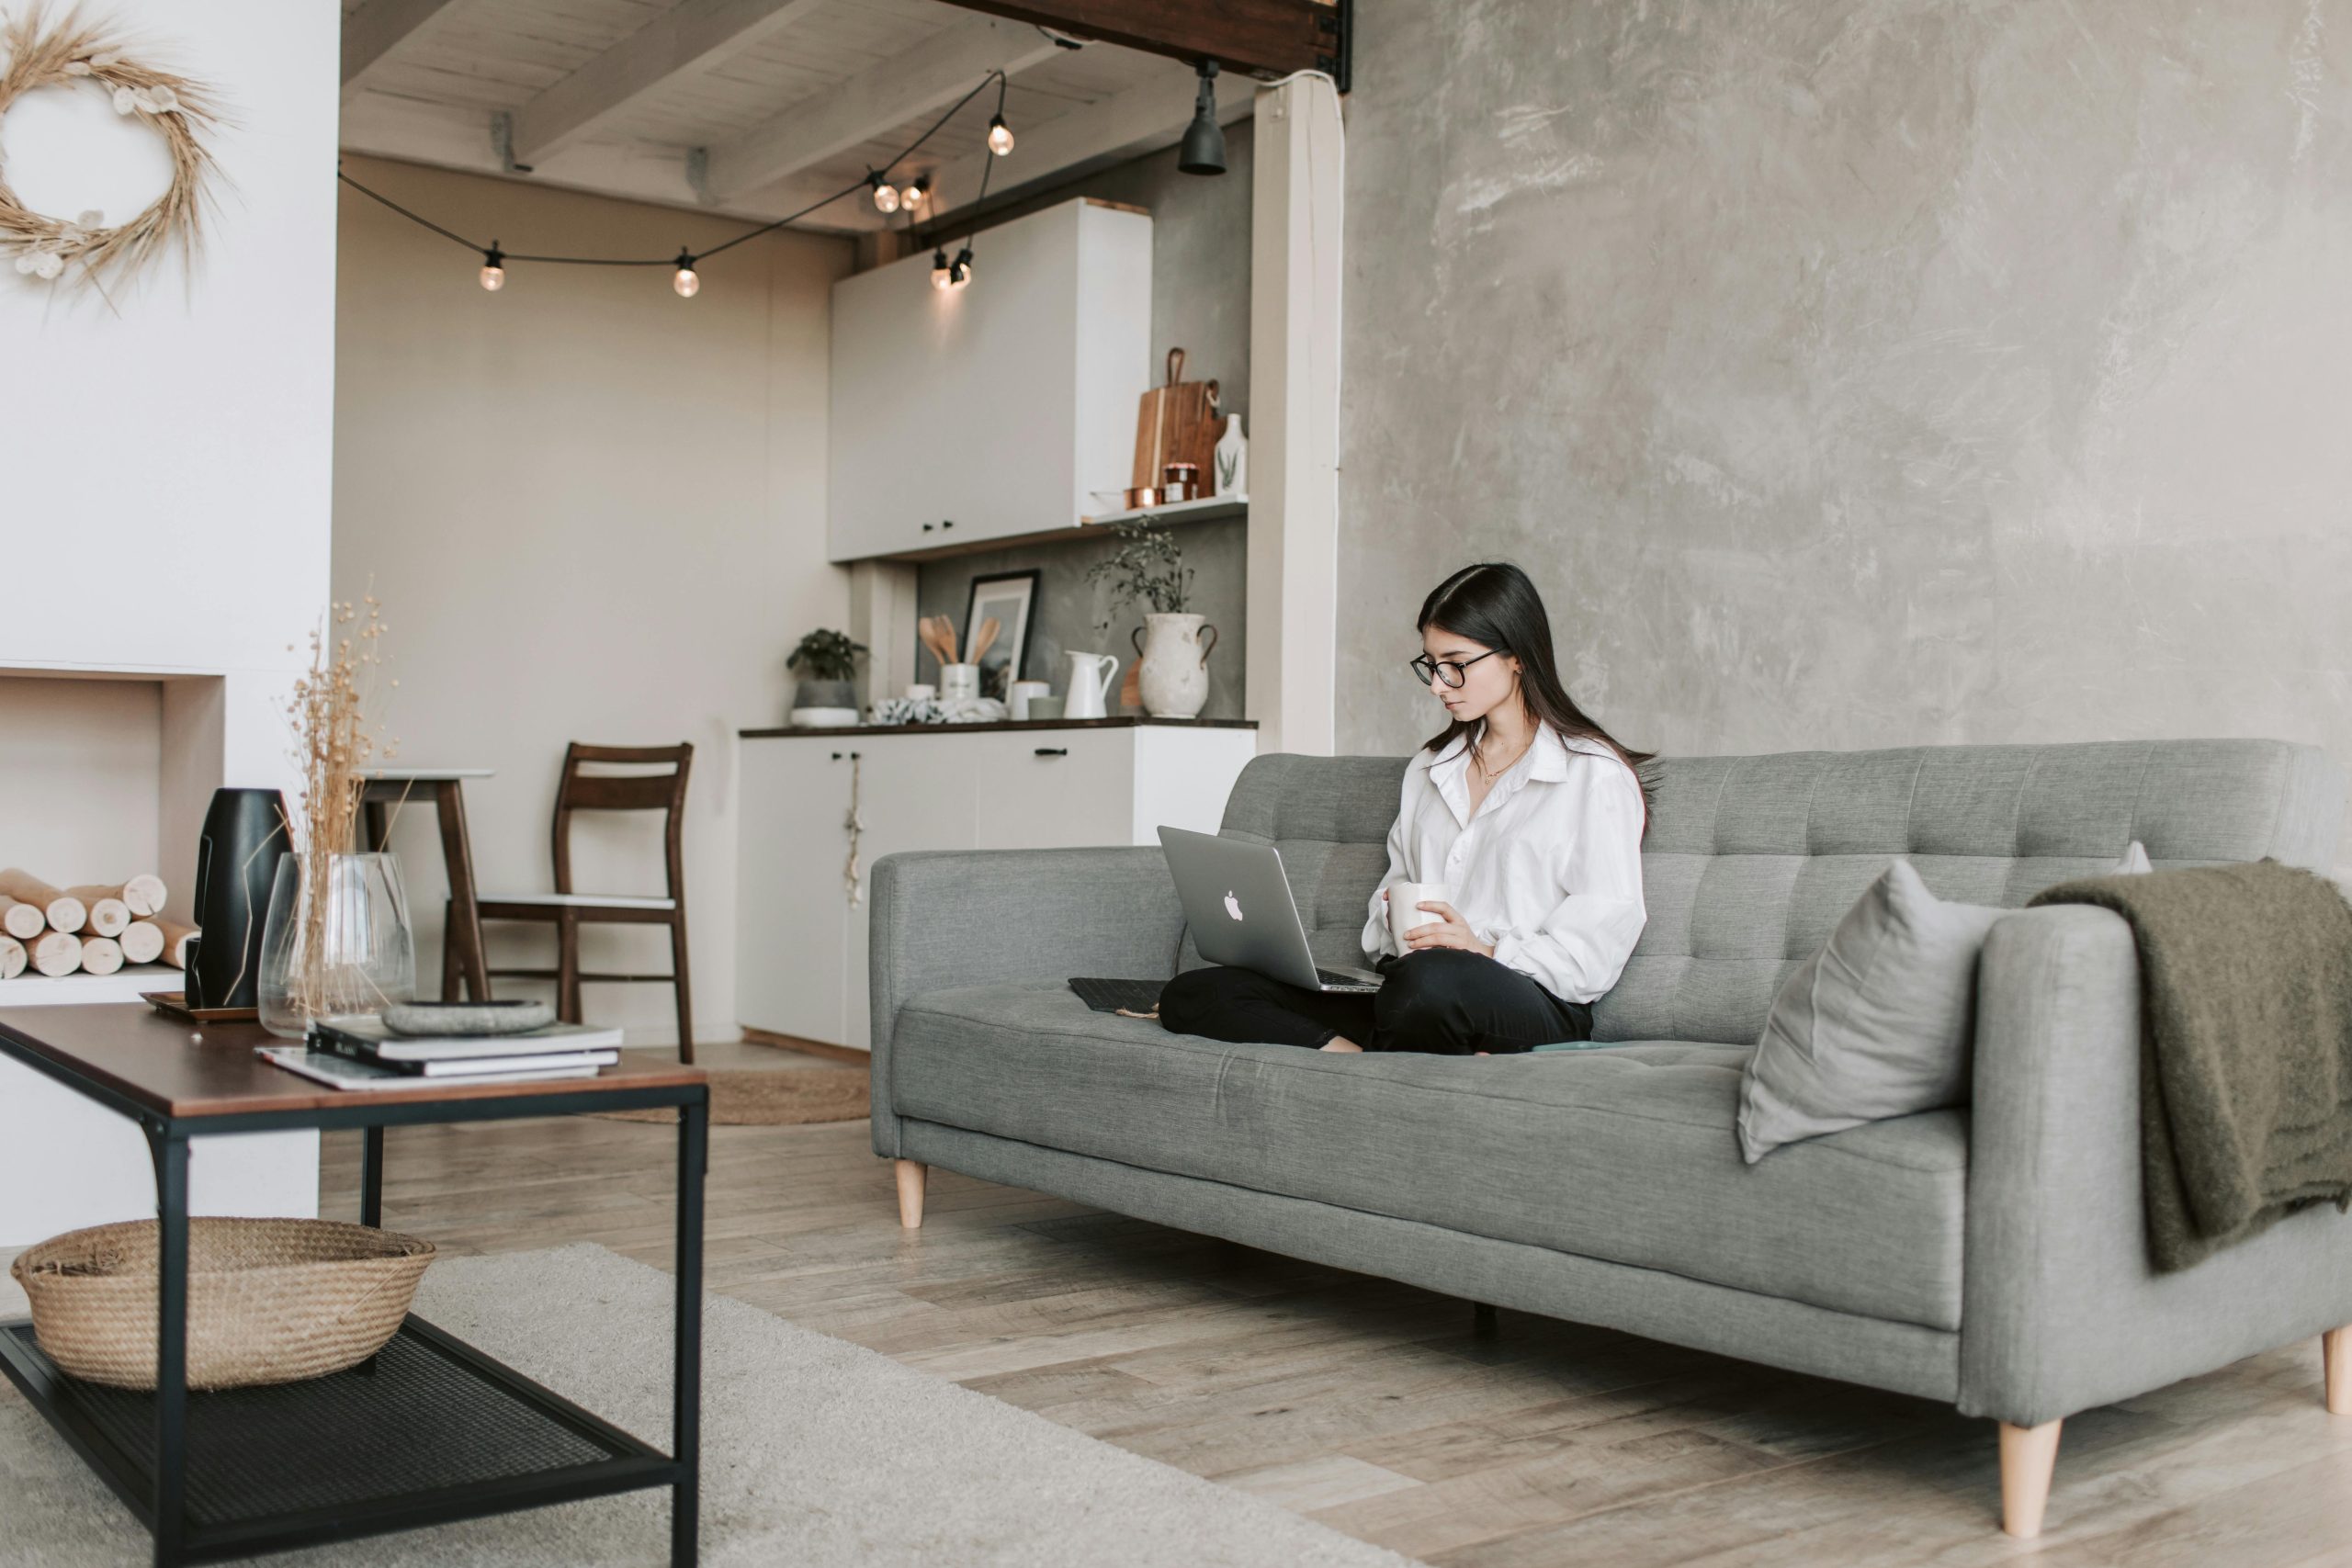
[{"x": 1495, "y": 605}]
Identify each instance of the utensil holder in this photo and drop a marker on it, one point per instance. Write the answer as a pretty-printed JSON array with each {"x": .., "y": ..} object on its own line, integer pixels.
[{"x": 958, "y": 681}]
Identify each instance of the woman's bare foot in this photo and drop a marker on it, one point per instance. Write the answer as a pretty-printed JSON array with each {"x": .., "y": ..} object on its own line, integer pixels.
[{"x": 1341, "y": 1043}]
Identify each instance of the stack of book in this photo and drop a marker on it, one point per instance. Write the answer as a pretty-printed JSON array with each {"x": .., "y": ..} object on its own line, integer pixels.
[{"x": 355, "y": 1051}]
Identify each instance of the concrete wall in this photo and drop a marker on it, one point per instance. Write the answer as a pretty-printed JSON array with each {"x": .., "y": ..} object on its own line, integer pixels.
[
  {"x": 593, "y": 511},
  {"x": 1856, "y": 374},
  {"x": 1200, "y": 302}
]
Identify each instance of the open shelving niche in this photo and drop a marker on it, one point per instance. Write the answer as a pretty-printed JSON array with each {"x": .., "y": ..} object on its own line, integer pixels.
[{"x": 1209, "y": 509}]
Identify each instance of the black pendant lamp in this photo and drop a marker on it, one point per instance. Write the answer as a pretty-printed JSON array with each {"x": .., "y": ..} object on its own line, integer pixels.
[{"x": 1202, "y": 149}]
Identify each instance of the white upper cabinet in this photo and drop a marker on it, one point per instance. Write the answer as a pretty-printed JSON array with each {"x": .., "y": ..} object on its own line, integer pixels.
[{"x": 994, "y": 409}]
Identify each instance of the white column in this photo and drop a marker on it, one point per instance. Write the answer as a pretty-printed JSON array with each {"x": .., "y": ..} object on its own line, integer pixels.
[{"x": 1294, "y": 413}]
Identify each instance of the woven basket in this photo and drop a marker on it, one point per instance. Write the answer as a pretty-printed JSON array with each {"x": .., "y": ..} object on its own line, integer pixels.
[{"x": 269, "y": 1300}]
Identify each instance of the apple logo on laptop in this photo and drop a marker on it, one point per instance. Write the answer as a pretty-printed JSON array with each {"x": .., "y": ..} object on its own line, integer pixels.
[{"x": 1232, "y": 905}]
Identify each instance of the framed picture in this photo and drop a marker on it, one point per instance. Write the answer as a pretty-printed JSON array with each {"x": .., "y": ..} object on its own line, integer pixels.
[{"x": 1005, "y": 596}]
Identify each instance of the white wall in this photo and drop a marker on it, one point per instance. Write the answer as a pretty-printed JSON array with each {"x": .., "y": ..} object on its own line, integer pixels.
[
  {"x": 167, "y": 464},
  {"x": 593, "y": 511}
]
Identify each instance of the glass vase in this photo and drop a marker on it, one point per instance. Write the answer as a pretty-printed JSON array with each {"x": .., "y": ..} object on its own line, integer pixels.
[{"x": 334, "y": 943}]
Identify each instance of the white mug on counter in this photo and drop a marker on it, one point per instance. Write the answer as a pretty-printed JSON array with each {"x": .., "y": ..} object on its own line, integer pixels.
[
  {"x": 922, "y": 691},
  {"x": 1405, "y": 911},
  {"x": 1090, "y": 675},
  {"x": 1022, "y": 691},
  {"x": 958, "y": 681}
]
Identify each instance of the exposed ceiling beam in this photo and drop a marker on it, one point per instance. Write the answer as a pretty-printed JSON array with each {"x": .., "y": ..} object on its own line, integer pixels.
[
  {"x": 1264, "y": 38},
  {"x": 693, "y": 37},
  {"x": 448, "y": 136},
  {"x": 1144, "y": 119},
  {"x": 376, "y": 29},
  {"x": 925, "y": 78}
]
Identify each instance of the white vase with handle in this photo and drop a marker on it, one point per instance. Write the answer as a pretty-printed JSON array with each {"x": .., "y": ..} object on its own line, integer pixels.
[
  {"x": 1090, "y": 675},
  {"x": 1174, "y": 676}
]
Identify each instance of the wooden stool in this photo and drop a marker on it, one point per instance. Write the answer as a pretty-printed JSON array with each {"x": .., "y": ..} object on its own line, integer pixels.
[{"x": 568, "y": 911}]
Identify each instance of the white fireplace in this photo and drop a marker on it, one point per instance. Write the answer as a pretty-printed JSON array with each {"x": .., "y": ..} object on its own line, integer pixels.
[{"x": 169, "y": 456}]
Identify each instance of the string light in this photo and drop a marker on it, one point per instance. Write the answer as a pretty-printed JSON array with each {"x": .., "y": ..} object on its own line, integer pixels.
[
  {"x": 999, "y": 133},
  {"x": 886, "y": 196}
]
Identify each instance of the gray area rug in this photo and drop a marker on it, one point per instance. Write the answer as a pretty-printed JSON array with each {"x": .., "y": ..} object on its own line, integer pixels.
[{"x": 815, "y": 1451}]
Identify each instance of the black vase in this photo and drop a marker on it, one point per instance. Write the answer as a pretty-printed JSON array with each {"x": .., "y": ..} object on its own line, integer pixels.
[{"x": 236, "y": 863}]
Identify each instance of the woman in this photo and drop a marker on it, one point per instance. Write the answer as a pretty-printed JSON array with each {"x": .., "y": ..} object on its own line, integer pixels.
[{"x": 1523, "y": 808}]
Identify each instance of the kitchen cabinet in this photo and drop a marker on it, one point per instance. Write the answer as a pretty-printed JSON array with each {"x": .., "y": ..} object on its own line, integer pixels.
[
  {"x": 990, "y": 411},
  {"x": 802, "y": 954}
]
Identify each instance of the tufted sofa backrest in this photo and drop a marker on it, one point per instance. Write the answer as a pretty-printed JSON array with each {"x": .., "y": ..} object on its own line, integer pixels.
[{"x": 1750, "y": 861}]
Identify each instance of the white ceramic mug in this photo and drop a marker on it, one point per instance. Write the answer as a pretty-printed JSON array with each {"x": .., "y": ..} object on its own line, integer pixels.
[
  {"x": 1022, "y": 691},
  {"x": 922, "y": 691},
  {"x": 956, "y": 681},
  {"x": 1404, "y": 899}
]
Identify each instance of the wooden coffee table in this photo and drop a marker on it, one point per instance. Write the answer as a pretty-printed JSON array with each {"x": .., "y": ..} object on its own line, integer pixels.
[{"x": 431, "y": 1431}]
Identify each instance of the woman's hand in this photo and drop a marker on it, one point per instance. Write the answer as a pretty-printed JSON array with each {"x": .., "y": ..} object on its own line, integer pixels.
[{"x": 1447, "y": 930}]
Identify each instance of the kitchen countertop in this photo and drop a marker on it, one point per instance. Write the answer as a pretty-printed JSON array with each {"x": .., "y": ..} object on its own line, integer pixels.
[{"x": 1123, "y": 722}]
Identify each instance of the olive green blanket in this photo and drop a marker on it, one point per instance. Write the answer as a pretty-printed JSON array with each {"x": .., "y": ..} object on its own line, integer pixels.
[{"x": 2245, "y": 1046}]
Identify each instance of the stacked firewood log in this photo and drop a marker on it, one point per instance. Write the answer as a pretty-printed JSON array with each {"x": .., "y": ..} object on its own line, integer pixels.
[{"x": 95, "y": 929}]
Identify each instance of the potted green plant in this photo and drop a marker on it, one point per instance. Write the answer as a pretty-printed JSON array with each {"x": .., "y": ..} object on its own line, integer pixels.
[
  {"x": 1148, "y": 568},
  {"x": 826, "y": 664}
]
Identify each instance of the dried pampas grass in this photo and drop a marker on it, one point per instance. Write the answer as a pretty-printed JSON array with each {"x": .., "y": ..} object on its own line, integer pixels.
[{"x": 34, "y": 52}]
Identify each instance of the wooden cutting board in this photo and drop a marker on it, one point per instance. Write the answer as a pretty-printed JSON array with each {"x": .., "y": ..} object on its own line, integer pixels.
[{"x": 1177, "y": 422}]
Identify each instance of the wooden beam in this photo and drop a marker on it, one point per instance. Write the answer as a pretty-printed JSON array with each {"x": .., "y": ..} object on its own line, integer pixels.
[
  {"x": 1144, "y": 119},
  {"x": 376, "y": 29},
  {"x": 695, "y": 36},
  {"x": 927, "y": 77},
  {"x": 1263, "y": 38}
]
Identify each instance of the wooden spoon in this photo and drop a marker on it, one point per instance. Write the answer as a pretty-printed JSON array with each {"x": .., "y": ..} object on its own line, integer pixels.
[{"x": 982, "y": 639}]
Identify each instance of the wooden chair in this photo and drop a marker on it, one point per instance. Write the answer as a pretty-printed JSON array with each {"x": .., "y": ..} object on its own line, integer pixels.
[{"x": 568, "y": 911}]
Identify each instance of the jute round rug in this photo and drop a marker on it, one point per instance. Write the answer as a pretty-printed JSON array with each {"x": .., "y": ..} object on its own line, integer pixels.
[{"x": 783, "y": 1095}]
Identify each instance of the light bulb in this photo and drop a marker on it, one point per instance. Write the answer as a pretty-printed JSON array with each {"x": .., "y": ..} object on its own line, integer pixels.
[
  {"x": 686, "y": 283},
  {"x": 885, "y": 194},
  {"x": 494, "y": 270},
  {"x": 912, "y": 198},
  {"x": 960, "y": 274},
  {"x": 941, "y": 278},
  {"x": 1000, "y": 136}
]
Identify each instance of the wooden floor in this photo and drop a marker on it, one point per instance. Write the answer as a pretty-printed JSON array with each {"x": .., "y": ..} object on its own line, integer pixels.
[{"x": 1374, "y": 1407}]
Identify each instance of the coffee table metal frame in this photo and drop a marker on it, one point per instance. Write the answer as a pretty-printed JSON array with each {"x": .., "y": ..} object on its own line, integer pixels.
[{"x": 156, "y": 1491}]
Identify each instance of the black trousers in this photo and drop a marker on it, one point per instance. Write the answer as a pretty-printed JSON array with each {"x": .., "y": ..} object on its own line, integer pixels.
[{"x": 1441, "y": 1001}]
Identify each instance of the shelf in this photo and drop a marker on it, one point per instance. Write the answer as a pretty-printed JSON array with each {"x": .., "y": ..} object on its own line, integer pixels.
[
  {"x": 429, "y": 1430},
  {"x": 1211, "y": 510},
  {"x": 125, "y": 984},
  {"x": 1121, "y": 721}
]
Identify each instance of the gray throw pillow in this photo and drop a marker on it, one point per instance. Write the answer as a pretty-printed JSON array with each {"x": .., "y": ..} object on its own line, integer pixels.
[
  {"x": 1873, "y": 1025},
  {"x": 1876, "y": 1024}
]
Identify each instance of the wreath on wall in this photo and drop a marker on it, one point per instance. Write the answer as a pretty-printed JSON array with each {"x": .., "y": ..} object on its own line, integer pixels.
[{"x": 36, "y": 53}]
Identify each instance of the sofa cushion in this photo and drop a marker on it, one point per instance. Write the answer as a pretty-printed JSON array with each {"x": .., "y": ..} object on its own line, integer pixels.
[{"x": 1626, "y": 1154}]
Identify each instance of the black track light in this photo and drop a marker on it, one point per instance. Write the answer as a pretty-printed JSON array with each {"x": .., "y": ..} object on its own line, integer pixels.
[{"x": 1202, "y": 149}]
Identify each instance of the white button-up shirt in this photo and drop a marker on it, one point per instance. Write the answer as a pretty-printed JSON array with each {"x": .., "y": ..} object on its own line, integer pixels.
[{"x": 1548, "y": 873}]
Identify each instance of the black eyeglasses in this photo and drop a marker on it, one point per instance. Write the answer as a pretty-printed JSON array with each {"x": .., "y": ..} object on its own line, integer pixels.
[{"x": 1446, "y": 670}]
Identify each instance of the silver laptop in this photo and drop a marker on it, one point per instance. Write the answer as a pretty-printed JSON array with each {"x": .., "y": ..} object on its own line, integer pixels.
[{"x": 1238, "y": 904}]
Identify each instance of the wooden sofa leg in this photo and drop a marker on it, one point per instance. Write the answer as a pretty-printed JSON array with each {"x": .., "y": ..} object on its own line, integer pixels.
[
  {"x": 2335, "y": 1359},
  {"x": 911, "y": 1175},
  {"x": 2029, "y": 1455}
]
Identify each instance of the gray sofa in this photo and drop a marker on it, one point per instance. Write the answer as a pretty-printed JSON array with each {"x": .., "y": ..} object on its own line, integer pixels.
[{"x": 1991, "y": 1256}]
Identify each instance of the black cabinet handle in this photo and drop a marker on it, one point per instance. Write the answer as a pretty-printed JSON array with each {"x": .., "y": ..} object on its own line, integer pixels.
[
  {"x": 853, "y": 756},
  {"x": 1053, "y": 751},
  {"x": 950, "y": 523},
  {"x": 926, "y": 527}
]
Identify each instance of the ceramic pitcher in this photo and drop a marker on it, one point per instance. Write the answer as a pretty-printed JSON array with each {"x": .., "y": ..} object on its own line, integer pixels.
[
  {"x": 1175, "y": 669},
  {"x": 1090, "y": 675}
]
